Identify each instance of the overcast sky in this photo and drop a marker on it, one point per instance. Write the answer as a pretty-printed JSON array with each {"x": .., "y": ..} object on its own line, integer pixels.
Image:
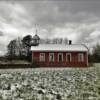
[{"x": 78, "y": 20}]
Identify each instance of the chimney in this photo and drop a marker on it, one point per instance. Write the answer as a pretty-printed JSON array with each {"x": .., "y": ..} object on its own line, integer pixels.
[{"x": 70, "y": 42}]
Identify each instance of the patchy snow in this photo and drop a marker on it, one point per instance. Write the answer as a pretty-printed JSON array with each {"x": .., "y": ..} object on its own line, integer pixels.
[
  {"x": 59, "y": 47},
  {"x": 50, "y": 84}
]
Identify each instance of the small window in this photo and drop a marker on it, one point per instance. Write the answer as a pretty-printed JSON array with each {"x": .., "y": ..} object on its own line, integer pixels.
[
  {"x": 51, "y": 57},
  {"x": 68, "y": 57},
  {"x": 42, "y": 56},
  {"x": 81, "y": 57},
  {"x": 60, "y": 57}
]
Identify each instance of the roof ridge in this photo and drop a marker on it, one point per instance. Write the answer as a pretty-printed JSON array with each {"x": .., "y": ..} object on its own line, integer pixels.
[
  {"x": 59, "y": 47},
  {"x": 63, "y": 44}
]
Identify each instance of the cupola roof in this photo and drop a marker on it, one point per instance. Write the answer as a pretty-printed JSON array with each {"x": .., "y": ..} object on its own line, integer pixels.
[{"x": 36, "y": 37}]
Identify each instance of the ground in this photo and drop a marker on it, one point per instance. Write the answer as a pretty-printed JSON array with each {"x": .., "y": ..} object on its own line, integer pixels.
[{"x": 50, "y": 84}]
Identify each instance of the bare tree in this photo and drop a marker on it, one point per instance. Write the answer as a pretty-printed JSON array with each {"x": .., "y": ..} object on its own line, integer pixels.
[
  {"x": 11, "y": 49},
  {"x": 26, "y": 42},
  {"x": 65, "y": 41},
  {"x": 47, "y": 41},
  {"x": 54, "y": 41},
  {"x": 96, "y": 53}
]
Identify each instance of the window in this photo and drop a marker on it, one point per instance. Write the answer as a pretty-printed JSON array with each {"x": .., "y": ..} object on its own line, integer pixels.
[
  {"x": 51, "y": 57},
  {"x": 42, "y": 56},
  {"x": 81, "y": 57},
  {"x": 60, "y": 57},
  {"x": 68, "y": 57}
]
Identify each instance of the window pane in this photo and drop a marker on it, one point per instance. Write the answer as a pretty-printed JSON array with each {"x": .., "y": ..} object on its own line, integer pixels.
[
  {"x": 68, "y": 57},
  {"x": 60, "y": 57},
  {"x": 51, "y": 57},
  {"x": 80, "y": 57},
  {"x": 42, "y": 57}
]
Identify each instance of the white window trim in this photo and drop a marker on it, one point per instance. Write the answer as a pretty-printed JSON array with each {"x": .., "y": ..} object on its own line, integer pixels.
[
  {"x": 87, "y": 58},
  {"x": 53, "y": 57},
  {"x": 80, "y": 60},
  {"x": 42, "y": 60},
  {"x": 58, "y": 56},
  {"x": 70, "y": 57},
  {"x": 32, "y": 56}
]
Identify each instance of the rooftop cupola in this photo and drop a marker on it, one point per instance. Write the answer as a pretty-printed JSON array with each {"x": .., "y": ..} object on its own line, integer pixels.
[{"x": 35, "y": 40}]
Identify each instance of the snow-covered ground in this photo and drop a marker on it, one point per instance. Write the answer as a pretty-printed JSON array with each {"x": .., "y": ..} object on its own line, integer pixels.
[{"x": 50, "y": 84}]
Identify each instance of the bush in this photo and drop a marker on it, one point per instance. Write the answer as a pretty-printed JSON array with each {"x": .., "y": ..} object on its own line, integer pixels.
[{"x": 91, "y": 64}]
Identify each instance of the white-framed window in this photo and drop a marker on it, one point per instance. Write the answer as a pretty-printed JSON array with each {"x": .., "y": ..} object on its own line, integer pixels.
[
  {"x": 60, "y": 57},
  {"x": 81, "y": 57},
  {"x": 68, "y": 57},
  {"x": 42, "y": 56},
  {"x": 51, "y": 57}
]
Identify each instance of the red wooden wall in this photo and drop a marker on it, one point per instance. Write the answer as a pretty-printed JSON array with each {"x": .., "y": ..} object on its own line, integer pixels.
[{"x": 73, "y": 63}]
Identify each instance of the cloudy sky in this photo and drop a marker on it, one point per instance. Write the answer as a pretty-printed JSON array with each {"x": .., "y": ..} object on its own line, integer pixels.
[{"x": 78, "y": 20}]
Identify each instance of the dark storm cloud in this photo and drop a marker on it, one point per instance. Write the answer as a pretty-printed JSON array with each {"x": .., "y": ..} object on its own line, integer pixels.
[
  {"x": 78, "y": 20},
  {"x": 57, "y": 12},
  {"x": 1, "y": 33}
]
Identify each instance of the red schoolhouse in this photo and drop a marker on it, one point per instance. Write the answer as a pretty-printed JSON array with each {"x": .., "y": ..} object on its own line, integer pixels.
[{"x": 59, "y": 55}]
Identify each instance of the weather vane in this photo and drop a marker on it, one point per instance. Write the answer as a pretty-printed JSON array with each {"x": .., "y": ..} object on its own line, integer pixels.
[{"x": 36, "y": 28}]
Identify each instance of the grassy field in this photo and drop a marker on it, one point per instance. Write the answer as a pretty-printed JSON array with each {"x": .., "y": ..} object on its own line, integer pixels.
[{"x": 50, "y": 84}]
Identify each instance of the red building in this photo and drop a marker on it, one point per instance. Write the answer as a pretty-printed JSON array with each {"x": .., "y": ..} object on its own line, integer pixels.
[{"x": 60, "y": 55}]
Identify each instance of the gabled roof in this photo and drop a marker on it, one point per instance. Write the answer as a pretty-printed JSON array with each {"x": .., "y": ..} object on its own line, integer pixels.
[{"x": 59, "y": 47}]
